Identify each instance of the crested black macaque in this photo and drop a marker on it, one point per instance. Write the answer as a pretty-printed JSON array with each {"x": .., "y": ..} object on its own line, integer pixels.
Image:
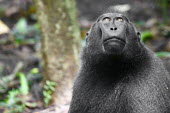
[{"x": 118, "y": 73}]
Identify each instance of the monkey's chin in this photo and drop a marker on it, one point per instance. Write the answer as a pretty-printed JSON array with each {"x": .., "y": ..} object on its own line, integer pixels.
[{"x": 113, "y": 47}]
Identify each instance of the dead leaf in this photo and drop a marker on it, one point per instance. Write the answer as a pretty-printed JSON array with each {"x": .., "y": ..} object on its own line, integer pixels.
[
  {"x": 12, "y": 10},
  {"x": 3, "y": 28}
]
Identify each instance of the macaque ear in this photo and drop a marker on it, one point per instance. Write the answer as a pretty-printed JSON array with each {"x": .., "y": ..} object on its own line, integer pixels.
[{"x": 138, "y": 33}]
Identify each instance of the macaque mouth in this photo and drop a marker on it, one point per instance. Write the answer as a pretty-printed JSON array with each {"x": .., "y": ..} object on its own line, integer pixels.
[{"x": 114, "y": 38}]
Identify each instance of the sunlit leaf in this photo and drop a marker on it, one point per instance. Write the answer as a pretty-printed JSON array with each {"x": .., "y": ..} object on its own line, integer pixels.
[
  {"x": 24, "y": 88},
  {"x": 21, "y": 26}
]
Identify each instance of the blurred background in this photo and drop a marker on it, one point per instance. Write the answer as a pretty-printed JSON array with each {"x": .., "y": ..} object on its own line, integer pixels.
[{"x": 40, "y": 42}]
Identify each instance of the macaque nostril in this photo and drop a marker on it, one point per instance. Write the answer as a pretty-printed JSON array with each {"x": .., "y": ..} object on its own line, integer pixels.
[{"x": 113, "y": 28}]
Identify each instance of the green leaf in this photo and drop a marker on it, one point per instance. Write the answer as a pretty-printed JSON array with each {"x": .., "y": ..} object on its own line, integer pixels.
[
  {"x": 45, "y": 93},
  {"x": 146, "y": 35},
  {"x": 163, "y": 54},
  {"x": 24, "y": 88},
  {"x": 47, "y": 82},
  {"x": 18, "y": 41},
  {"x": 52, "y": 88},
  {"x": 46, "y": 87},
  {"x": 12, "y": 97},
  {"x": 49, "y": 92},
  {"x": 21, "y": 26},
  {"x": 52, "y": 83},
  {"x": 36, "y": 26},
  {"x": 34, "y": 71}
]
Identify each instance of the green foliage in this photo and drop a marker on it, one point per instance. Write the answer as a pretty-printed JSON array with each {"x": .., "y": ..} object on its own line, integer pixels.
[
  {"x": 145, "y": 36},
  {"x": 163, "y": 54},
  {"x": 24, "y": 87},
  {"x": 15, "y": 99},
  {"x": 34, "y": 71},
  {"x": 21, "y": 26},
  {"x": 13, "y": 102},
  {"x": 11, "y": 97},
  {"x": 49, "y": 88},
  {"x": 24, "y": 33}
]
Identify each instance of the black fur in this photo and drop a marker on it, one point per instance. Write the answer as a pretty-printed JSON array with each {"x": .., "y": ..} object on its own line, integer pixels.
[{"x": 117, "y": 77}]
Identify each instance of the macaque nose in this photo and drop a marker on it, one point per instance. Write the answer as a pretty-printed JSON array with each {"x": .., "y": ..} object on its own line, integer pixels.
[{"x": 113, "y": 28}]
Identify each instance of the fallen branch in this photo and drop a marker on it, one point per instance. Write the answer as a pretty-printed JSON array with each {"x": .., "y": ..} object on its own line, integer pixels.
[{"x": 5, "y": 81}]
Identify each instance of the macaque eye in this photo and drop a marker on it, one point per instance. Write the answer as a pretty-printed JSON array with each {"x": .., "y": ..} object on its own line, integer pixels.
[
  {"x": 106, "y": 19},
  {"x": 119, "y": 19}
]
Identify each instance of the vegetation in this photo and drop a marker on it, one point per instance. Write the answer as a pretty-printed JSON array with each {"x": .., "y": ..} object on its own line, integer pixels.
[
  {"x": 15, "y": 101},
  {"x": 49, "y": 88}
]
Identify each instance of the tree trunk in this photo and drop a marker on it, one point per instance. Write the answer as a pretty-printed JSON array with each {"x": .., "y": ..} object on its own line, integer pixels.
[{"x": 60, "y": 44}]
